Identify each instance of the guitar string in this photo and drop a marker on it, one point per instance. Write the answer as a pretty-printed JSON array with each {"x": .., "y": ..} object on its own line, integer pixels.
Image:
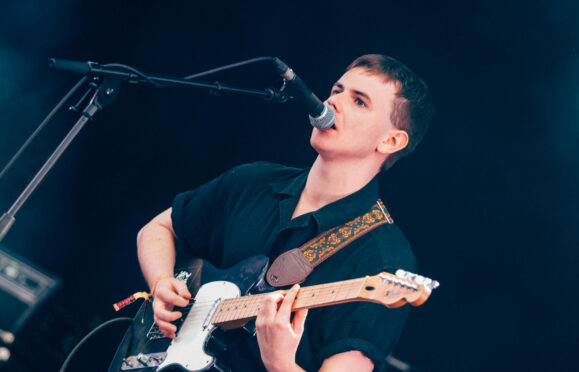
[
  {"x": 304, "y": 290},
  {"x": 239, "y": 309},
  {"x": 248, "y": 303},
  {"x": 242, "y": 307}
]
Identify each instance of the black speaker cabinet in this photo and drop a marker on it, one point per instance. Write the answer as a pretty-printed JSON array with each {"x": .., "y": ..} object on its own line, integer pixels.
[{"x": 22, "y": 288}]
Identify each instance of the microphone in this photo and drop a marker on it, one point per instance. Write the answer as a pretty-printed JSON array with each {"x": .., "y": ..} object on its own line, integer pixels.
[{"x": 322, "y": 115}]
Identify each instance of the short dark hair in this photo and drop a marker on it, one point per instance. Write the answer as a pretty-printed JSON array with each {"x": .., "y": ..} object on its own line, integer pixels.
[{"x": 412, "y": 109}]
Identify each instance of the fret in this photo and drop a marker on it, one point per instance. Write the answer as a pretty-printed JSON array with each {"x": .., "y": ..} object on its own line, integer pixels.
[
  {"x": 387, "y": 289},
  {"x": 247, "y": 307},
  {"x": 327, "y": 294},
  {"x": 238, "y": 308}
]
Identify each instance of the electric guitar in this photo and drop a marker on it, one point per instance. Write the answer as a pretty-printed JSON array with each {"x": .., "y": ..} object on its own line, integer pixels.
[{"x": 219, "y": 305}]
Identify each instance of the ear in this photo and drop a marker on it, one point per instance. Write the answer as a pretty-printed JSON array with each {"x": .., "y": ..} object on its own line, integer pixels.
[{"x": 395, "y": 141}]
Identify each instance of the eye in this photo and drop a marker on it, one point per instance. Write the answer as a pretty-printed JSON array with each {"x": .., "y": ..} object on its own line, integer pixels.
[
  {"x": 359, "y": 102},
  {"x": 334, "y": 91}
]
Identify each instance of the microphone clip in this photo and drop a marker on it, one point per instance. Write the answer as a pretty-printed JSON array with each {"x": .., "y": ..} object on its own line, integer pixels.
[{"x": 281, "y": 95}]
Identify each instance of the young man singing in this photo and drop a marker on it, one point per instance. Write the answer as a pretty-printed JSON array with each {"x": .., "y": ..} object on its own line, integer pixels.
[{"x": 382, "y": 112}]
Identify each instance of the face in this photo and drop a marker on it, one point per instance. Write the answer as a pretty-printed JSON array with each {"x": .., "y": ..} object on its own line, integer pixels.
[{"x": 363, "y": 103}]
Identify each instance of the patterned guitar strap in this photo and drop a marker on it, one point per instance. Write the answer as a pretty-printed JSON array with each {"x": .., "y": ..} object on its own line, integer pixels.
[{"x": 295, "y": 265}]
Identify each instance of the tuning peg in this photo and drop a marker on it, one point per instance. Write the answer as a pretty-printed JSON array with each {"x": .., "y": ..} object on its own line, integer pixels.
[
  {"x": 428, "y": 283},
  {"x": 435, "y": 284},
  {"x": 406, "y": 274}
]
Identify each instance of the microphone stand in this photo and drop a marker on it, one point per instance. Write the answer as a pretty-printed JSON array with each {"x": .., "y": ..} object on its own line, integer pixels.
[
  {"x": 106, "y": 84},
  {"x": 104, "y": 93}
]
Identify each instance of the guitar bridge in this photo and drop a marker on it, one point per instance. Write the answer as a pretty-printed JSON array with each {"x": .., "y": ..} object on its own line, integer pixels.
[
  {"x": 155, "y": 334},
  {"x": 141, "y": 360}
]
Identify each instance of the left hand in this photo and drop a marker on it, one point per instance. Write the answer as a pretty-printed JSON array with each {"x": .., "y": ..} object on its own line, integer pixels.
[{"x": 277, "y": 336}]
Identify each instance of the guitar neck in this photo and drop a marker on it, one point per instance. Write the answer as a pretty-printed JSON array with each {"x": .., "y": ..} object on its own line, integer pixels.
[{"x": 235, "y": 312}]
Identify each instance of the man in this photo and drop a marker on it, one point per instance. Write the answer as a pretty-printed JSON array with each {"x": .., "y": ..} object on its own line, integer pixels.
[{"x": 382, "y": 111}]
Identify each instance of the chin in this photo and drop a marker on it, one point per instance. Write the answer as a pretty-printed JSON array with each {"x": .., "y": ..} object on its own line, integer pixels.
[{"x": 316, "y": 143}]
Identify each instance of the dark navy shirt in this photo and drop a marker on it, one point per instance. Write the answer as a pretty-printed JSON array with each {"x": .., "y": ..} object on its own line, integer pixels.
[{"x": 247, "y": 211}]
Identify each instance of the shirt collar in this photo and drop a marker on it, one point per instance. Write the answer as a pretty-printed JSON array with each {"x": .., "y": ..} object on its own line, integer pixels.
[
  {"x": 349, "y": 207},
  {"x": 333, "y": 214},
  {"x": 292, "y": 186}
]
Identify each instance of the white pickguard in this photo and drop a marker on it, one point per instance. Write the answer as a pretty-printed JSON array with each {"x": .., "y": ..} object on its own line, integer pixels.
[{"x": 187, "y": 349}]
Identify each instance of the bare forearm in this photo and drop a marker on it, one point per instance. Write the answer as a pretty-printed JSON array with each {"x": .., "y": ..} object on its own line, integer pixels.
[{"x": 156, "y": 248}]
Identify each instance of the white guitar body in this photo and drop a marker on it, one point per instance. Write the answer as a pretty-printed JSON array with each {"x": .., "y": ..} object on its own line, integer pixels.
[{"x": 187, "y": 350}]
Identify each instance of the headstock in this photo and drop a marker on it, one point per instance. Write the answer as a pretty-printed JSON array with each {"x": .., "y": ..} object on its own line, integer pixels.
[{"x": 396, "y": 290}]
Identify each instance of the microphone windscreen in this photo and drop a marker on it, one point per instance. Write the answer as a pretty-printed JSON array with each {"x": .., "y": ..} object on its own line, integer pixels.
[{"x": 326, "y": 119}]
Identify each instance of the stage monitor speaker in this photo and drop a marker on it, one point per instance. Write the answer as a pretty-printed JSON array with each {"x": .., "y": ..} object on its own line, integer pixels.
[{"x": 23, "y": 288}]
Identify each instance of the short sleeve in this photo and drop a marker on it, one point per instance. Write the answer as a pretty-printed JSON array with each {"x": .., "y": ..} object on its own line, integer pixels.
[
  {"x": 366, "y": 327},
  {"x": 370, "y": 328}
]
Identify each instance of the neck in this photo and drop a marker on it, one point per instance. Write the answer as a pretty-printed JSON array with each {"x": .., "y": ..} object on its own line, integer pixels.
[
  {"x": 329, "y": 181},
  {"x": 235, "y": 312}
]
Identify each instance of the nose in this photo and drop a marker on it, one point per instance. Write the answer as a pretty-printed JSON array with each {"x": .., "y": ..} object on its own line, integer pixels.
[{"x": 334, "y": 101}]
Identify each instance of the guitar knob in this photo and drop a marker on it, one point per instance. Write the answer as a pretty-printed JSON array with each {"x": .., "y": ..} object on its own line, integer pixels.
[
  {"x": 127, "y": 363},
  {"x": 4, "y": 354}
]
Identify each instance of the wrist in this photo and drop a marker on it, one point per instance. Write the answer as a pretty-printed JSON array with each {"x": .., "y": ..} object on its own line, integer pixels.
[{"x": 156, "y": 282}]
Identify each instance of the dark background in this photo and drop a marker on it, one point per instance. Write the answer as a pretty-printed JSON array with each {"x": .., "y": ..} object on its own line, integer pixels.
[{"x": 488, "y": 200}]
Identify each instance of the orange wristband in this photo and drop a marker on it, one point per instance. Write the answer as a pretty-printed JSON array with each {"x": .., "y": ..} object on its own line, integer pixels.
[{"x": 162, "y": 276}]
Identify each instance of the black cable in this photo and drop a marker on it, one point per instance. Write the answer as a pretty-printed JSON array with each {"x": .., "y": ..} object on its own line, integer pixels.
[
  {"x": 226, "y": 67},
  {"x": 91, "y": 333},
  {"x": 137, "y": 72},
  {"x": 44, "y": 122},
  {"x": 204, "y": 73}
]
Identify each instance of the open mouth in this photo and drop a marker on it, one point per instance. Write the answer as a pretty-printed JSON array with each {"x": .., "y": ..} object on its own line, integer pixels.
[{"x": 333, "y": 127}]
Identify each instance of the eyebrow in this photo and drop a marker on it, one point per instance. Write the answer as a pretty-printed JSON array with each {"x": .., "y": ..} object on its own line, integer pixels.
[{"x": 357, "y": 92}]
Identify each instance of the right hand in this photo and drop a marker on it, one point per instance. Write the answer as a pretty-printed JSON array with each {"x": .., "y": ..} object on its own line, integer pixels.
[{"x": 169, "y": 293}]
